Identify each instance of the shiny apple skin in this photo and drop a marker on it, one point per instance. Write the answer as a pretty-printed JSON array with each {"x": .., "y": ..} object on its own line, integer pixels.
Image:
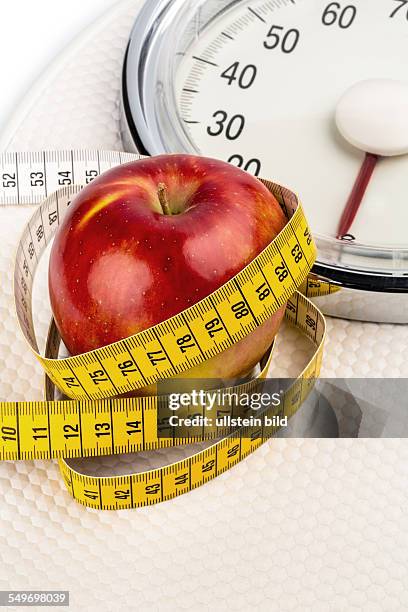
[{"x": 118, "y": 265}]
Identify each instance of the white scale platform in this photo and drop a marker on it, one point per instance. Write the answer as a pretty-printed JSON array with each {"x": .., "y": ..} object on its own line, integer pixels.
[{"x": 302, "y": 524}]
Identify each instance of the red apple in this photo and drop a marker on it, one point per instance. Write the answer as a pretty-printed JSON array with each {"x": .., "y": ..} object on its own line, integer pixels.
[{"x": 148, "y": 239}]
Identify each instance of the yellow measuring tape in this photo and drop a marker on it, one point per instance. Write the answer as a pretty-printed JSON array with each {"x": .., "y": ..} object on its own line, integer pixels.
[{"x": 92, "y": 422}]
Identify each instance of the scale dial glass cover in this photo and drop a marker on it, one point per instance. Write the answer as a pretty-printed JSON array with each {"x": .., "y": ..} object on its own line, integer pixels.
[{"x": 257, "y": 84}]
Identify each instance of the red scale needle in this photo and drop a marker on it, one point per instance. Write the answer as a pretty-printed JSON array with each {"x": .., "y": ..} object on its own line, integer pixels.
[{"x": 357, "y": 194}]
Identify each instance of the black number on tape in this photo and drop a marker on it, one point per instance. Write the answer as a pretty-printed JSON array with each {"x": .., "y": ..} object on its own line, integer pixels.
[
  {"x": 91, "y": 494},
  {"x": 263, "y": 292},
  {"x": 127, "y": 367},
  {"x": 281, "y": 272},
  {"x": 40, "y": 233},
  {"x": 152, "y": 489},
  {"x": 233, "y": 451},
  {"x": 297, "y": 253},
  {"x": 102, "y": 429},
  {"x": 38, "y": 433},
  {"x": 9, "y": 434},
  {"x": 310, "y": 322},
  {"x": 207, "y": 467},
  {"x": 90, "y": 175},
  {"x": 71, "y": 431},
  {"x": 125, "y": 494},
  {"x": 98, "y": 377},
  {"x": 185, "y": 343},
  {"x": 180, "y": 480},
  {"x": 240, "y": 309},
  {"x": 37, "y": 179},
  {"x": 52, "y": 217},
  {"x": 9, "y": 180},
  {"x": 308, "y": 236},
  {"x": 133, "y": 427},
  {"x": 71, "y": 382},
  {"x": 290, "y": 306},
  {"x": 154, "y": 357},
  {"x": 64, "y": 178},
  {"x": 213, "y": 327},
  {"x": 23, "y": 285}
]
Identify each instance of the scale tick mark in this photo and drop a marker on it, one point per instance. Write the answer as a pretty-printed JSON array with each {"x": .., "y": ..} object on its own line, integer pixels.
[
  {"x": 256, "y": 14},
  {"x": 201, "y": 59}
]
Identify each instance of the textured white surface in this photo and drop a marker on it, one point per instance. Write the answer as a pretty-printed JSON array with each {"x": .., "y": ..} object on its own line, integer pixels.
[
  {"x": 300, "y": 525},
  {"x": 46, "y": 29}
]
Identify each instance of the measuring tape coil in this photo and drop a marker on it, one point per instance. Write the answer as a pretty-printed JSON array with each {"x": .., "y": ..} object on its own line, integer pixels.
[{"x": 93, "y": 422}]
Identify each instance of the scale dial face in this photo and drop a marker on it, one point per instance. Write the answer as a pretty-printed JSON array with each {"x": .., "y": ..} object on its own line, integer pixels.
[{"x": 259, "y": 86}]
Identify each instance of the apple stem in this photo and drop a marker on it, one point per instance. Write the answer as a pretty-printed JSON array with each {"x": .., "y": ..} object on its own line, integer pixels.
[{"x": 163, "y": 198}]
